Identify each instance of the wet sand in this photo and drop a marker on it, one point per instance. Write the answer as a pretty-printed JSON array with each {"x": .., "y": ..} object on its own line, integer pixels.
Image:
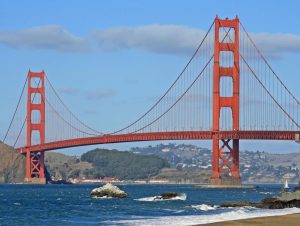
[{"x": 285, "y": 220}]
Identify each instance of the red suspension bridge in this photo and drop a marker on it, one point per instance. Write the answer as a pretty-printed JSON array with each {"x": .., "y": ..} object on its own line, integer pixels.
[{"x": 226, "y": 92}]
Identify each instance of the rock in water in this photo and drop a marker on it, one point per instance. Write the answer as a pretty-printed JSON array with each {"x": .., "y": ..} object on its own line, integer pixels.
[
  {"x": 108, "y": 190},
  {"x": 238, "y": 204},
  {"x": 284, "y": 200},
  {"x": 167, "y": 196}
]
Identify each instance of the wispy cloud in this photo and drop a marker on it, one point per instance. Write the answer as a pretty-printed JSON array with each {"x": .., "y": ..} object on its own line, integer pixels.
[
  {"x": 173, "y": 39},
  {"x": 169, "y": 39},
  {"x": 53, "y": 37},
  {"x": 88, "y": 94},
  {"x": 278, "y": 44},
  {"x": 69, "y": 90},
  {"x": 156, "y": 38},
  {"x": 100, "y": 94}
]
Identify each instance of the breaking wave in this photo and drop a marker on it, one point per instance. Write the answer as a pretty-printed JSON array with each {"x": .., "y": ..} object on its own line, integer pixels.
[
  {"x": 156, "y": 198},
  {"x": 103, "y": 197},
  {"x": 204, "y": 207},
  {"x": 226, "y": 215}
]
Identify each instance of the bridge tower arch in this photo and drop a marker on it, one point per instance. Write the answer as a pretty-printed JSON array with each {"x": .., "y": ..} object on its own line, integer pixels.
[
  {"x": 225, "y": 159},
  {"x": 35, "y": 167}
]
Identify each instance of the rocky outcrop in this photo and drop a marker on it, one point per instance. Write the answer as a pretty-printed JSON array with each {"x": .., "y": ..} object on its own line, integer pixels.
[
  {"x": 284, "y": 200},
  {"x": 288, "y": 196},
  {"x": 166, "y": 196},
  {"x": 108, "y": 190},
  {"x": 238, "y": 204},
  {"x": 275, "y": 203}
]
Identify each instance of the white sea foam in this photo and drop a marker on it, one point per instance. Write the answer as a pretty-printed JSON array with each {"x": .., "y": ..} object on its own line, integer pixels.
[
  {"x": 156, "y": 198},
  {"x": 102, "y": 197},
  {"x": 266, "y": 193},
  {"x": 233, "y": 214},
  {"x": 204, "y": 207}
]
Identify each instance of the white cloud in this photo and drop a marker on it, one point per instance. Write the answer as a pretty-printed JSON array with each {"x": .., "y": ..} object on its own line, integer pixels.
[
  {"x": 157, "y": 38},
  {"x": 278, "y": 44},
  {"x": 173, "y": 39},
  {"x": 169, "y": 39},
  {"x": 52, "y": 37}
]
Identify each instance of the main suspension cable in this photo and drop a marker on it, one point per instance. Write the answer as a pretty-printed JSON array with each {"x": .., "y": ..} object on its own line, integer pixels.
[
  {"x": 265, "y": 60},
  {"x": 255, "y": 75},
  {"x": 16, "y": 109},
  {"x": 168, "y": 90}
]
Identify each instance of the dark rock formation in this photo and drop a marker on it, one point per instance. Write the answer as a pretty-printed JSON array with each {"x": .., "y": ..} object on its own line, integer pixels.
[
  {"x": 238, "y": 204},
  {"x": 284, "y": 200},
  {"x": 275, "y": 203},
  {"x": 168, "y": 195}
]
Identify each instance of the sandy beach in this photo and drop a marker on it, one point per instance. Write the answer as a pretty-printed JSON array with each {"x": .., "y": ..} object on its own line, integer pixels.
[{"x": 285, "y": 220}]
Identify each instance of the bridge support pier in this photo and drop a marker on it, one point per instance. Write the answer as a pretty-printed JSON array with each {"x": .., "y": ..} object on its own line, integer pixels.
[
  {"x": 225, "y": 156},
  {"x": 35, "y": 167},
  {"x": 225, "y": 162}
]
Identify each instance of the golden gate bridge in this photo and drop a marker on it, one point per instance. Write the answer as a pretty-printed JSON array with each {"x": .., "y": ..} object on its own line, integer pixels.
[{"x": 226, "y": 92}]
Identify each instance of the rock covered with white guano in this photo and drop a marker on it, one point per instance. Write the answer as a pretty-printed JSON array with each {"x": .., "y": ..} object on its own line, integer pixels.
[{"x": 108, "y": 190}]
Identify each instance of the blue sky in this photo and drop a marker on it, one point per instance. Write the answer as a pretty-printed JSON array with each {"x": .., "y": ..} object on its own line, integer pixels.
[{"x": 109, "y": 78}]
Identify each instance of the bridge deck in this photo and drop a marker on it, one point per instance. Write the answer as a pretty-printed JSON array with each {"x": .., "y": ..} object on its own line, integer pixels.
[{"x": 179, "y": 135}]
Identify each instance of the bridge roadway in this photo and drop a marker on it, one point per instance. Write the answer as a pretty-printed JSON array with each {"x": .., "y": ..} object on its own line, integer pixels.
[{"x": 152, "y": 136}]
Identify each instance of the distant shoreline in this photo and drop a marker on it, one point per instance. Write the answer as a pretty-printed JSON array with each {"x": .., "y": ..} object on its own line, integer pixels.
[{"x": 148, "y": 183}]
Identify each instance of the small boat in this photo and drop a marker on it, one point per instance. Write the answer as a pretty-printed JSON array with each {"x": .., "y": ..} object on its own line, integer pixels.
[{"x": 286, "y": 186}]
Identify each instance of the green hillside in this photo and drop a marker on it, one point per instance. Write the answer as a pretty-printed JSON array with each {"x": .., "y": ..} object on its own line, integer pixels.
[{"x": 122, "y": 164}]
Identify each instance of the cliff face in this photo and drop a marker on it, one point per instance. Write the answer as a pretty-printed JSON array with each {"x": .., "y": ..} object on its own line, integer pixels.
[{"x": 12, "y": 165}]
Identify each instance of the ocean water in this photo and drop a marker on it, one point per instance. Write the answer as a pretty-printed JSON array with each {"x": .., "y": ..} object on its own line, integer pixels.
[{"x": 72, "y": 205}]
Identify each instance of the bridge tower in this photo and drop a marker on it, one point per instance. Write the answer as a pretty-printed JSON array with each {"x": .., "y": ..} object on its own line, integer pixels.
[
  {"x": 225, "y": 159},
  {"x": 35, "y": 168}
]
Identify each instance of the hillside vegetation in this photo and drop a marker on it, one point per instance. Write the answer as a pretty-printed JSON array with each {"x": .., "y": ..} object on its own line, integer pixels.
[{"x": 124, "y": 165}]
